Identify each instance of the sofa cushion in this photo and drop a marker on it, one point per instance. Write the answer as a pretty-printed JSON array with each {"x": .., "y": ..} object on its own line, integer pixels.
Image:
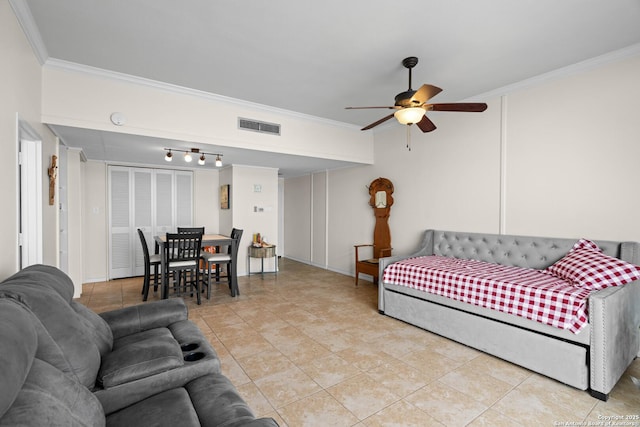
[
  {"x": 219, "y": 403},
  {"x": 169, "y": 408},
  {"x": 97, "y": 327},
  {"x": 73, "y": 337},
  {"x": 18, "y": 341},
  {"x": 586, "y": 266},
  {"x": 34, "y": 392},
  {"x": 48, "y": 397},
  {"x": 140, "y": 356}
]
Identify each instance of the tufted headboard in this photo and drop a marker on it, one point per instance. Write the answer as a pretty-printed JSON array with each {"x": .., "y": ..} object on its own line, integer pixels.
[{"x": 521, "y": 251}]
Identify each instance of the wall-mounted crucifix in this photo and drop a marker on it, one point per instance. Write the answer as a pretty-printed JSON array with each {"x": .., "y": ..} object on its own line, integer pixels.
[{"x": 53, "y": 174}]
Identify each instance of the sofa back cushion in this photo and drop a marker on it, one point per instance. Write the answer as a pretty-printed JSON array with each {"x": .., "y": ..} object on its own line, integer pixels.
[{"x": 81, "y": 337}]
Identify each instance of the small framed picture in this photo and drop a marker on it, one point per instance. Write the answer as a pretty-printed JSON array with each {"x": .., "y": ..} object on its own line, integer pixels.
[{"x": 224, "y": 196}]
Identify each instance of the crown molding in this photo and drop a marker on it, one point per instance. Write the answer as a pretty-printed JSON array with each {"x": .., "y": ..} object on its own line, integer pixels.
[
  {"x": 30, "y": 29},
  {"x": 570, "y": 70},
  {"x": 181, "y": 90}
]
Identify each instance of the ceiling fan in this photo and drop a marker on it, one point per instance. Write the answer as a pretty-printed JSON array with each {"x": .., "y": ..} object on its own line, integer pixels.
[{"x": 411, "y": 105}]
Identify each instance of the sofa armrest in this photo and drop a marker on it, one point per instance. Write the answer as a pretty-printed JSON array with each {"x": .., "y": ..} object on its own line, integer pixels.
[
  {"x": 129, "y": 320},
  {"x": 614, "y": 319}
]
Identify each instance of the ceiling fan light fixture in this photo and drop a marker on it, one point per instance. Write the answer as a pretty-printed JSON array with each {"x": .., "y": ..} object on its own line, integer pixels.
[{"x": 409, "y": 116}]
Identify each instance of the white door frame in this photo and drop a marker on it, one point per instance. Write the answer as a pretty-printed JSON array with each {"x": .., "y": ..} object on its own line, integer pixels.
[{"x": 29, "y": 195}]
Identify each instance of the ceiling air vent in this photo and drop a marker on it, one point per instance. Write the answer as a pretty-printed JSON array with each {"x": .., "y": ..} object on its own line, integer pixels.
[{"x": 256, "y": 126}]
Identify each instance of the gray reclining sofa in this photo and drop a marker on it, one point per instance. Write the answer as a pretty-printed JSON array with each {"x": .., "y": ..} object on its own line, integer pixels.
[{"x": 62, "y": 364}]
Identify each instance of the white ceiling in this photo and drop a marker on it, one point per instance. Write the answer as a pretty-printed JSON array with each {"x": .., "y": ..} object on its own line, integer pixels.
[{"x": 319, "y": 57}]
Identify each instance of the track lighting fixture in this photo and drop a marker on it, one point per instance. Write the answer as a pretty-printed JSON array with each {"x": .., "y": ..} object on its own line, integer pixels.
[{"x": 188, "y": 155}]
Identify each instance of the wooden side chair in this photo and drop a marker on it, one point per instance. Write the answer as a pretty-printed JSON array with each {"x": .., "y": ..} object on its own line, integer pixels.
[
  {"x": 369, "y": 266},
  {"x": 230, "y": 258},
  {"x": 182, "y": 258},
  {"x": 149, "y": 261}
]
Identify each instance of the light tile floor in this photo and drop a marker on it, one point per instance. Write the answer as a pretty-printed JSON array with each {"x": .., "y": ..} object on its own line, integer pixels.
[{"x": 309, "y": 348}]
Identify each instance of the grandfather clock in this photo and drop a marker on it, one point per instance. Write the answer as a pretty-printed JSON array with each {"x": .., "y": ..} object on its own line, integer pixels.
[
  {"x": 380, "y": 191},
  {"x": 381, "y": 200}
]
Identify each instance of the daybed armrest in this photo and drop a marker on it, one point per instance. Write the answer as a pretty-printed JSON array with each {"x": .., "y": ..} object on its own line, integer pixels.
[
  {"x": 129, "y": 320},
  {"x": 425, "y": 248},
  {"x": 614, "y": 318}
]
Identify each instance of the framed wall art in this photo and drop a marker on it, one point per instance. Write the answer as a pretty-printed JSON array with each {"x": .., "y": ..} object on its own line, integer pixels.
[{"x": 224, "y": 196}]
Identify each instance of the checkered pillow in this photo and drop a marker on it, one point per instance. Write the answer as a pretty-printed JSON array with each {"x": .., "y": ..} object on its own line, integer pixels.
[{"x": 587, "y": 267}]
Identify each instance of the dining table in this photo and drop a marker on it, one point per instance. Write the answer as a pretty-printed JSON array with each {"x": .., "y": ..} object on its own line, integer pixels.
[{"x": 216, "y": 240}]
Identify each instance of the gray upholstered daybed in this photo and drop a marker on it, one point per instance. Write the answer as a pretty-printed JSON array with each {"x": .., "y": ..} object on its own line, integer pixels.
[{"x": 595, "y": 358}]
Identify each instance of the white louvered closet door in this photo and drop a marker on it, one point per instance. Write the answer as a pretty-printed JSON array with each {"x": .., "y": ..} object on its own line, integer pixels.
[
  {"x": 154, "y": 200},
  {"x": 120, "y": 259},
  {"x": 164, "y": 202},
  {"x": 184, "y": 199},
  {"x": 142, "y": 215}
]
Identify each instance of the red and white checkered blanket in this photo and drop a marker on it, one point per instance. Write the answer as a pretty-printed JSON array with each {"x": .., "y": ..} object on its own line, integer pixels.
[{"x": 524, "y": 292}]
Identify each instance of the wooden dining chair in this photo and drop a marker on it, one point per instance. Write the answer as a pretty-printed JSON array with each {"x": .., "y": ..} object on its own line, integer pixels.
[
  {"x": 149, "y": 261},
  {"x": 230, "y": 259},
  {"x": 182, "y": 258}
]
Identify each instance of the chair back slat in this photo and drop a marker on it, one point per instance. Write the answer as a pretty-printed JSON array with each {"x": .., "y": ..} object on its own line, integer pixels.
[
  {"x": 186, "y": 230},
  {"x": 182, "y": 247}
]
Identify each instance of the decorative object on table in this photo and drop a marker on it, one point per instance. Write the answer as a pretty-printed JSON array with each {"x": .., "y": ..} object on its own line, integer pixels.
[
  {"x": 53, "y": 174},
  {"x": 224, "y": 196},
  {"x": 380, "y": 199}
]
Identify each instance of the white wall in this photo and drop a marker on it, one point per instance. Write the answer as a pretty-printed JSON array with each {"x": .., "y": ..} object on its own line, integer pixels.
[
  {"x": 206, "y": 206},
  {"x": 20, "y": 86},
  {"x": 75, "y": 201},
  {"x": 557, "y": 159},
  {"x": 69, "y": 98},
  {"x": 297, "y": 218},
  {"x": 573, "y": 147},
  {"x": 254, "y": 211},
  {"x": 319, "y": 220},
  {"x": 95, "y": 222}
]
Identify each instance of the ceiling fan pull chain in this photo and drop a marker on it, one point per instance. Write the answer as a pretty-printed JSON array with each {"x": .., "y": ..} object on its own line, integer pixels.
[{"x": 409, "y": 137}]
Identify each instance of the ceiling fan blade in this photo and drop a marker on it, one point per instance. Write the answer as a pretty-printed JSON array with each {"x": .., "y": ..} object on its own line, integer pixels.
[
  {"x": 363, "y": 108},
  {"x": 374, "y": 124},
  {"x": 426, "y": 125},
  {"x": 472, "y": 107},
  {"x": 425, "y": 93}
]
